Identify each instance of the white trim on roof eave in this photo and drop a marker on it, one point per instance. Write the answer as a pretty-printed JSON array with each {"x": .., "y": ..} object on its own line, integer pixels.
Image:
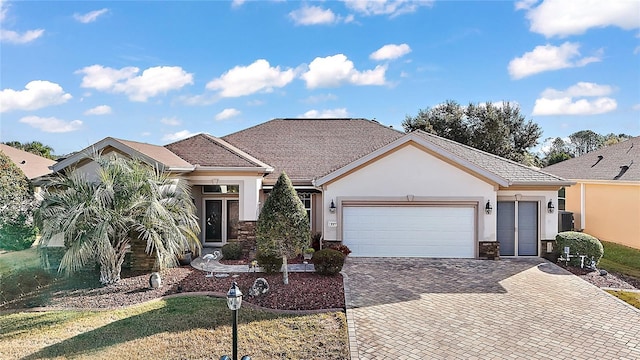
[
  {"x": 233, "y": 169},
  {"x": 543, "y": 183},
  {"x": 607, "y": 182},
  {"x": 101, "y": 145},
  {"x": 421, "y": 141}
]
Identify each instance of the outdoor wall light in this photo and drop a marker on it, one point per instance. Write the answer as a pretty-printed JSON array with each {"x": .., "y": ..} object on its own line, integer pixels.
[
  {"x": 487, "y": 208},
  {"x": 234, "y": 301},
  {"x": 550, "y": 207},
  {"x": 332, "y": 207}
]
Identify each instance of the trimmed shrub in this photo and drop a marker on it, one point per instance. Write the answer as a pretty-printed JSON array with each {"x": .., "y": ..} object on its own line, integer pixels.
[
  {"x": 342, "y": 248},
  {"x": 17, "y": 235},
  {"x": 232, "y": 251},
  {"x": 328, "y": 261},
  {"x": 580, "y": 244},
  {"x": 269, "y": 263}
]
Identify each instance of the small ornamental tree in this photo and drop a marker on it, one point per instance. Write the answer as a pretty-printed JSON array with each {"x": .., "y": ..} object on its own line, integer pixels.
[
  {"x": 17, "y": 202},
  {"x": 283, "y": 225}
]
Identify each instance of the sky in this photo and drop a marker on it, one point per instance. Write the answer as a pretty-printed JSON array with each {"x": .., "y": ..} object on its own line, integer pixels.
[{"x": 75, "y": 72}]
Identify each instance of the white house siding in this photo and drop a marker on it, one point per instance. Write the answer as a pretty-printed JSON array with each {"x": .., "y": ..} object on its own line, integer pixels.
[{"x": 410, "y": 174}]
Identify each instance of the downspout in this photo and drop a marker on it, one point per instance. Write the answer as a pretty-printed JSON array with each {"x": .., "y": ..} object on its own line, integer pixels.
[{"x": 582, "y": 206}]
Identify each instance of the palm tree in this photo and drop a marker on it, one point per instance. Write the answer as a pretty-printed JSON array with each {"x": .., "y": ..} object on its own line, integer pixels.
[{"x": 129, "y": 201}]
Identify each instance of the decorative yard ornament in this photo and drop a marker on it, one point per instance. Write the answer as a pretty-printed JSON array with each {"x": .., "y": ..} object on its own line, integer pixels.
[
  {"x": 260, "y": 286},
  {"x": 208, "y": 258},
  {"x": 155, "y": 281}
]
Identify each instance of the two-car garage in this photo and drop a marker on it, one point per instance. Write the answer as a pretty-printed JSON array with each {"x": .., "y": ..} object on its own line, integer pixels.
[{"x": 410, "y": 231}]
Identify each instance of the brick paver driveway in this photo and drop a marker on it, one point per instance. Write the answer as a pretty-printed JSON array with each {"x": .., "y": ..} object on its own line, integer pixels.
[{"x": 480, "y": 309}]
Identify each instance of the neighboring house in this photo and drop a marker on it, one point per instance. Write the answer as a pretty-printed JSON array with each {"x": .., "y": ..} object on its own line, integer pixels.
[
  {"x": 606, "y": 200},
  {"x": 378, "y": 190},
  {"x": 32, "y": 165}
]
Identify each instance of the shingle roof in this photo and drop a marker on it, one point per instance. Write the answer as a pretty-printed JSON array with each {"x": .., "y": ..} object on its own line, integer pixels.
[
  {"x": 618, "y": 162},
  {"x": 32, "y": 165},
  {"x": 309, "y": 148},
  {"x": 514, "y": 172},
  {"x": 206, "y": 150},
  {"x": 157, "y": 153}
]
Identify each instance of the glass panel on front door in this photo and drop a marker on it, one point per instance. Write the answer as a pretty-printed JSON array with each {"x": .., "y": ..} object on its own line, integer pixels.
[
  {"x": 221, "y": 220},
  {"x": 213, "y": 221}
]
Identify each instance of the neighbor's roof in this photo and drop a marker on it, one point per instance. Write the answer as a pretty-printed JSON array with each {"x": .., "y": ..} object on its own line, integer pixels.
[
  {"x": 147, "y": 152},
  {"x": 618, "y": 162},
  {"x": 32, "y": 165},
  {"x": 204, "y": 150},
  {"x": 309, "y": 148}
]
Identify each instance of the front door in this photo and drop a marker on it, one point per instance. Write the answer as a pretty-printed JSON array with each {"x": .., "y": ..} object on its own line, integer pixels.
[
  {"x": 220, "y": 221},
  {"x": 518, "y": 228}
]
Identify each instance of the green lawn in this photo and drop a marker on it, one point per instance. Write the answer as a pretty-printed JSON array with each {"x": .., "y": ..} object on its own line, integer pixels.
[
  {"x": 194, "y": 327},
  {"x": 15, "y": 260},
  {"x": 620, "y": 259},
  {"x": 632, "y": 298}
]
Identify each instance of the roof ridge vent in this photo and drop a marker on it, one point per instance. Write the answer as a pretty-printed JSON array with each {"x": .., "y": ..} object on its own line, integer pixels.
[{"x": 600, "y": 157}]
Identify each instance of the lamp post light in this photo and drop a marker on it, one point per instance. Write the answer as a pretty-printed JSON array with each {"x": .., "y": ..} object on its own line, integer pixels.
[{"x": 234, "y": 301}]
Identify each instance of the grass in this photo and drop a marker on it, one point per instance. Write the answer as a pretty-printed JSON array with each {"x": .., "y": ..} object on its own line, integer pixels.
[
  {"x": 632, "y": 298},
  {"x": 193, "y": 327},
  {"x": 621, "y": 259},
  {"x": 19, "y": 260}
]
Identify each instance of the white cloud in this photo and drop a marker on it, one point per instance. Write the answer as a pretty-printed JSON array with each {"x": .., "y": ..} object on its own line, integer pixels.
[
  {"x": 325, "y": 114},
  {"x": 227, "y": 114},
  {"x": 314, "y": 99},
  {"x": 332, "y": 71},
  {"x": 312, "y": 15},
  {"x": 636, "y": 107},
  {"x": 13, "y": 37},
  {"x": 548, "y": 57},
  {"x": 563, "y": 18},
  {"x": 390, "y": 52},
  {"x": 99, "y": 110},
  {"x": 52, "y": 124},
  {"x": 37, "y": 94},
  {"x": 90, "y": 16},
  {"x": 237, "y": 3},
  {"x": 172, "y": 121},
  {"x": 571, "y": 101},
  {"x": 247, "y": 80},
  {"x": 152, "y": 82},
  {"x": 178, "y": 135},
  {"x": 386, "y": 7}
]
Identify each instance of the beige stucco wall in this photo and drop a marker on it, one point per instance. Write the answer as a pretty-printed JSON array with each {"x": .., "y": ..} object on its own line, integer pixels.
[
  {"x": 249, "y": 197},
  {"x": 611, "y": 212},
  {"x": 410, "y": 173}
]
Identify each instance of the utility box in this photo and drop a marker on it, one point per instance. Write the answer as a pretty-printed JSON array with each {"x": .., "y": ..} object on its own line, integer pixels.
[{"x": 565, "y": 221}]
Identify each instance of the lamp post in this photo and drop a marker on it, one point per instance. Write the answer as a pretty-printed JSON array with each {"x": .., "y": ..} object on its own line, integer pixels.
[{"x": 234, "y": 301}]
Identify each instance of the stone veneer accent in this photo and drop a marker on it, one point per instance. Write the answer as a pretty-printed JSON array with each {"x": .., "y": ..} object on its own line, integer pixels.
[
  {"x": 489, "y": 250},
  {"x": 247, "y": 237},
  {"x": 140, "y": 260},
  {"x": 549, "y": 255}
]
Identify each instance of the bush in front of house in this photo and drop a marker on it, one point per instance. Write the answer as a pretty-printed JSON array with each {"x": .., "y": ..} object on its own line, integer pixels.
[
  {"x": 232, "y": 251},
  {"x": 269, "y": 263},
  {"x": 580, "y": 244},
  {"x": 342, "y": 248},
  {"x": 328, "y": 261}
]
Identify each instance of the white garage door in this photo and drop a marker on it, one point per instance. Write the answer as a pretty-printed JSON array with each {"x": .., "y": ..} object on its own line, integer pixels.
[{"x": 409, "y": 231}]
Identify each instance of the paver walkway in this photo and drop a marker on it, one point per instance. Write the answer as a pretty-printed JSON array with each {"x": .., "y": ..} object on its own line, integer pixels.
[{"x": 480, "y": 309}]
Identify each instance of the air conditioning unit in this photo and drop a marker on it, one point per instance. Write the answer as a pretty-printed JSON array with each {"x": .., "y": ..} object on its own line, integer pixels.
[{"x": 565, "y": 221}]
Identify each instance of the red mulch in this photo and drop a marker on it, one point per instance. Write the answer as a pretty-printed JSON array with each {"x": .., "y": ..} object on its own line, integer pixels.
[{"x": 305, "y": 291}]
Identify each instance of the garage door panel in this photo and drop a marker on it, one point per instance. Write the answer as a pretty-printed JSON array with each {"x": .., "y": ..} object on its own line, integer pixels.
[{"x": 410, "y": 231}]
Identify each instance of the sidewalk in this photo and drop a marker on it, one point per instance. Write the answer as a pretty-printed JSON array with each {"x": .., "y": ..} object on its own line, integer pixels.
[{"x": 216, "y": 267}]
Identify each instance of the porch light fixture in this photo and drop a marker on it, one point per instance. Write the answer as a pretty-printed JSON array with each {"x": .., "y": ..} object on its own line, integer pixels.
[
  {"x": 550, "y": 207},
  {"x": 332, "y": 207},
  {"x": 487, "y": 208}
]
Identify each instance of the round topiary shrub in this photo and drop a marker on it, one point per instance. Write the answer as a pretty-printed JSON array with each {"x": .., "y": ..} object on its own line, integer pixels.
[
  {"x": 269, "y": 263},
  {"x": 579, "y": 244},
  {"x": 232, "y": 251},
  {"x": 342, "y": 248},
  {"x": 328, "y": 261}
]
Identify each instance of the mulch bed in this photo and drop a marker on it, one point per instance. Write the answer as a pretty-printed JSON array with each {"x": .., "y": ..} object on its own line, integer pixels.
[{"x": 305, "y": 291}]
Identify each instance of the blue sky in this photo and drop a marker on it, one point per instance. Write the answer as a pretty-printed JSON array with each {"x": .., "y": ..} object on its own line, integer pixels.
[{"x": 73, "y": 73}]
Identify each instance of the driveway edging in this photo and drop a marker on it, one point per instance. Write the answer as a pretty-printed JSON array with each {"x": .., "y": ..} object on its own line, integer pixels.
[{"x": 351, "y": 324}]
